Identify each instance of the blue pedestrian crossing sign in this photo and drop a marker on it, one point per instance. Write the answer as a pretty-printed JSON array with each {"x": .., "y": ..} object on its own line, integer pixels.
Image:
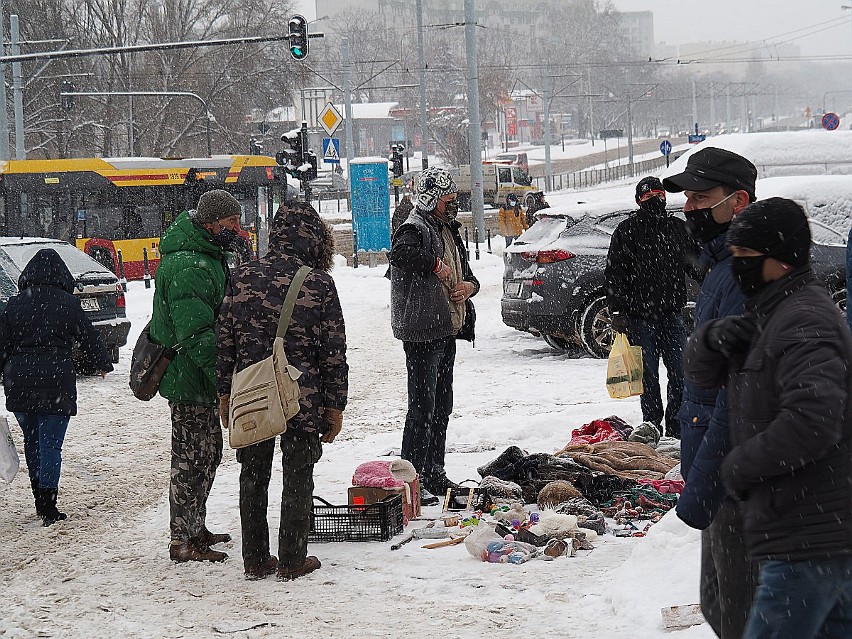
[
  {"x": 331, "y": 150},
  {"x": 665, "y": 147}
]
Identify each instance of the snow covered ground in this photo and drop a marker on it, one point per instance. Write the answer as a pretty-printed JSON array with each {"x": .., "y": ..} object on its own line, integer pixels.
[{"x": 105, "y": 572}]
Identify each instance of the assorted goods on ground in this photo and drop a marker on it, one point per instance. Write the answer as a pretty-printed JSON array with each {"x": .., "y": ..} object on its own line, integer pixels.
[{"x": 611, "y": 478}]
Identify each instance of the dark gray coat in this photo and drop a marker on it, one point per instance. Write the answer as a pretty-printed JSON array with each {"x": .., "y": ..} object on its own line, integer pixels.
[
  {"x": 790, "y": 421},
  {"x": 420, "y": 311}
]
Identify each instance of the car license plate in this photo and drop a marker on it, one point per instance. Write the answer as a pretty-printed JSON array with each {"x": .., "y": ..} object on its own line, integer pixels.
[
  {"x": 90, "y": 304},
  {"x": 513, "y": 289}
]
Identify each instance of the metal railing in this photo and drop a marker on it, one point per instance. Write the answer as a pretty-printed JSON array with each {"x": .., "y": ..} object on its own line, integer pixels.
[
  {"x": 319, "y": 197},
  {"x": 592, "y": 177}
]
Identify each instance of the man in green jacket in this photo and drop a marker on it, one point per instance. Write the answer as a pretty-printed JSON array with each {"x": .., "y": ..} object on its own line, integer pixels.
[{"x": 190, "y": 286}]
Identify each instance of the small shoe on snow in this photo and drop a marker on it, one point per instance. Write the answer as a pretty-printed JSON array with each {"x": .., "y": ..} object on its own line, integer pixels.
[
  {"x": 263, "y": 569},
  {"x": 183, "y": 551},
  {"x": 288, "y": 573}
]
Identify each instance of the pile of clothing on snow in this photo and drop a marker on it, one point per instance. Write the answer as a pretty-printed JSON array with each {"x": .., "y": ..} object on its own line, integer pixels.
[{"x": 608, "y": 468}]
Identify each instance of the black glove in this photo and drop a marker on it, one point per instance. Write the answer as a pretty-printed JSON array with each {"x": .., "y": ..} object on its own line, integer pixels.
[
  {"x": 730, "y": 335},
  {"x": 620, "y": 322}
]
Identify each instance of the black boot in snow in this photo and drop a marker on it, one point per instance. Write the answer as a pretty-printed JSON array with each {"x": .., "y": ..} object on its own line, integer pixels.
[
  {"x": 49, "y": 514},
  {"x": 37, "y": 496}
]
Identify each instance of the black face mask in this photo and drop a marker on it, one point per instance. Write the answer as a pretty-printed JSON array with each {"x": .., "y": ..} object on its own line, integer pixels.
[
  {"x": 700, "y": 223},
  {"x": 655, "y": 206},
  {"x": 748, "y": 271},
  {"x": 451, "y": 210},
  {"x": 225, "y": 238}
]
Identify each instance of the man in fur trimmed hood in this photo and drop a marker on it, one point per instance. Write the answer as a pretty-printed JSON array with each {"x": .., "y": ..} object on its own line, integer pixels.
[{"x": 315, "y": 343}]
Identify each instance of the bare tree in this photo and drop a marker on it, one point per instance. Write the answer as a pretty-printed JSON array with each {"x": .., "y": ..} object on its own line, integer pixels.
[{"x": 231, "y": 80}]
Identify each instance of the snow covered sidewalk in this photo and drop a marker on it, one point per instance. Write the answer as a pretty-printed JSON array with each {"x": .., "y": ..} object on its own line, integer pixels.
[{"x": 105, "y": 571}]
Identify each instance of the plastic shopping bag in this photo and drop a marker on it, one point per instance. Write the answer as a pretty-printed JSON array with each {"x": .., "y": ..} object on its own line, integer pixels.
[
  {"x": 9, "y": 462},
  {"x": 624, "y": 369}
]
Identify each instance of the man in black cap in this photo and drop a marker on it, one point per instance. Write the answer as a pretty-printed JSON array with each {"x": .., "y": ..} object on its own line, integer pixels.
[
  {"x": 785, "y": 363},
  {"x": 649, "y": 257},
  {"x": 718, "y": 184}
]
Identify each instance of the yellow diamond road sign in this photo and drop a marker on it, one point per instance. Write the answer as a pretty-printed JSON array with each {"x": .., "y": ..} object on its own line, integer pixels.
[{"x": 330, "y": 119}]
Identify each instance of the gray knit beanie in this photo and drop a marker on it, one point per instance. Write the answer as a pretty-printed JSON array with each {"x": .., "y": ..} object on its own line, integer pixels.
[{"x": 215, "y": 205}]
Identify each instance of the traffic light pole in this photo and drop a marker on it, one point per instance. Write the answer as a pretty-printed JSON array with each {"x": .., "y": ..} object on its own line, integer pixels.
[
  {"x": 347, "y": 104},
  {"x": 4, "y": 115},
  {"x": 477, "y": 204},
  {"x": 421, "y": 66},
  {"x": 17, "y": 89}
]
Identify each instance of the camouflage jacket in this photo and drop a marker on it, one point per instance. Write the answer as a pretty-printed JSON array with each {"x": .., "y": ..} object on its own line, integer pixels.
[{"x": 315, "y": 341}]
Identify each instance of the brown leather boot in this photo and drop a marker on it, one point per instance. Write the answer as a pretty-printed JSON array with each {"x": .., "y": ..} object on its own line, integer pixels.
[
  {"x": 263, "y": 569},
  {"x": 191, "y": 551},
  {"x": 207, "y": 538},
  {"x": 288, "y": 573}
]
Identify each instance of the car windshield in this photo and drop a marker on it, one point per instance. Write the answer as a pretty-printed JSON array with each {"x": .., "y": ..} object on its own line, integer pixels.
[{"x": 18, "y": 255}]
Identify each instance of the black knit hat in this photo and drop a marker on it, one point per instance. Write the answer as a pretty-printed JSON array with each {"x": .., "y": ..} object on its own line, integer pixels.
[
  {"x": 648, "y": 184},
  {"x": 712, "y": 167},
  {"x": 776, "y": 227},
  {"x": 215, "y": 205}
]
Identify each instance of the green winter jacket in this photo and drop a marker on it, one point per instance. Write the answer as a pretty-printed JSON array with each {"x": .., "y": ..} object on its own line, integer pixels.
[{"x": 190, "y": 286}]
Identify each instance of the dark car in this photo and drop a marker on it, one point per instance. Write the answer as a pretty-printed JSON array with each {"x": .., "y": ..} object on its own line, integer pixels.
[
  {"x": 99, "y": 290},
  {"x": 554, "y": 285}
]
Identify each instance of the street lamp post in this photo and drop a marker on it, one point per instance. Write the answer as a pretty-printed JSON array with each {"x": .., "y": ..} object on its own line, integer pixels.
[{"x": 208, "y": 117}]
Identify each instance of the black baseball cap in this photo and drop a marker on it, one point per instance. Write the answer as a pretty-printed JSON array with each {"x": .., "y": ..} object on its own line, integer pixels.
[{"x": 712, "y": 167}]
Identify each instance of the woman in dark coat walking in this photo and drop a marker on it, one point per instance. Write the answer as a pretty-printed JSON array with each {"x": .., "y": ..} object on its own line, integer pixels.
[{"x": 38, "y": 328}]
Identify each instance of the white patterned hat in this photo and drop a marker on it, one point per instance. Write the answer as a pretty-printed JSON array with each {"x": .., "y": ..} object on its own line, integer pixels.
[{"x": 432, "y": 184}]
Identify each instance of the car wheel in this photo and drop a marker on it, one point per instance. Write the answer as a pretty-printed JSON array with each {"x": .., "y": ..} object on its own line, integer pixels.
[{"x": 596, "y": 327}]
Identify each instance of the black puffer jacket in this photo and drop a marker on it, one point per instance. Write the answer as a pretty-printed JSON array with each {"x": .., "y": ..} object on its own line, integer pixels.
[
  {"x": 38, "y": 329},
  {"x": 790, "y": 421},
  {"x": 649, "y": 257}
]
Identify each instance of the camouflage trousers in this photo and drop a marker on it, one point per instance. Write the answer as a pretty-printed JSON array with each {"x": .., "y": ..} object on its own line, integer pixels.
[
  {"x": 300, "y": 451},
  {"x": 196, "y": 453}
]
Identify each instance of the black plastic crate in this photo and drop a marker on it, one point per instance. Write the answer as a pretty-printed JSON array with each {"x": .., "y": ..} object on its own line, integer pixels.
[{"x": 373, "y": 522}]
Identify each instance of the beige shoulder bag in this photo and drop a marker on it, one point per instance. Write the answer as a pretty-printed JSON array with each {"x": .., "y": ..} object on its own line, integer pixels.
[{"x": 266, "y": 394}]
